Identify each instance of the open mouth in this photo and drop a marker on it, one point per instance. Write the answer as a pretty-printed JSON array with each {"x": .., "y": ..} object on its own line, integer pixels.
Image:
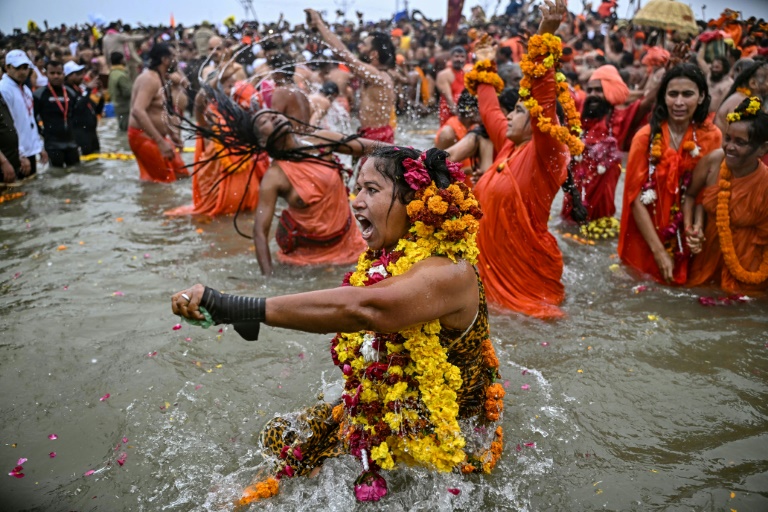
[{"x": 366, "y": 227}]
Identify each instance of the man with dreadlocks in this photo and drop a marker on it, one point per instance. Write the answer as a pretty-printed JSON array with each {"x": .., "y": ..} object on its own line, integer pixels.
[
  {"x": 377, "y": 56},
  {"x": 149, "y": 133}
]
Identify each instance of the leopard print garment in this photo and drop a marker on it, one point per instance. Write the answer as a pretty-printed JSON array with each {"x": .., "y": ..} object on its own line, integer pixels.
[{"x": 315, "y": 433}]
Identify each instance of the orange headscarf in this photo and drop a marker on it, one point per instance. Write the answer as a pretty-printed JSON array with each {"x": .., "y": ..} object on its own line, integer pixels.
[
  {"x": 614, "y": 88},
  {"x": 655, "y": 56}
]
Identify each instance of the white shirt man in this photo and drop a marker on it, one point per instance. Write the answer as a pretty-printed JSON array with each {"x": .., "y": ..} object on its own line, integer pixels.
[{"x": 21, "y": 105}]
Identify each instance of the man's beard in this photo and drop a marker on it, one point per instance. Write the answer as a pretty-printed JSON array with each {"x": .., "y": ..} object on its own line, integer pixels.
[
  {"x": 595, "y": 108},
  {"x": 457, "y": 65},
  {"x": 365, "y": 57},
  {"x": 716, "y": 77}
]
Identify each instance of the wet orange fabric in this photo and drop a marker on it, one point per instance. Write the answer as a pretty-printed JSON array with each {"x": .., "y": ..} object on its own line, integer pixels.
[
  {"x": 216, "y": 190},
  {"x": 323, "y": 191},
  {"x": 748, "y": 210},
  {"x": 152, "y": 165},
  {"x": 461, "y": 131},
  {"x": 633, "y": 249},
  {"x": 520, "y": 262}
]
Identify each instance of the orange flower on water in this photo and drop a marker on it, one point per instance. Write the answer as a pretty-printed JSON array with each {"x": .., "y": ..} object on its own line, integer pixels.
[{"x": 260, "y": 490}]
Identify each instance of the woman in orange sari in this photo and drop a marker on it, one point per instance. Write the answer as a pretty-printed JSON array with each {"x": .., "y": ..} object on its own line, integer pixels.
[
  {"x": 731, "y": 239},
  {"x": 659, "y": 169},
  {"x": 520, "y": 262}
]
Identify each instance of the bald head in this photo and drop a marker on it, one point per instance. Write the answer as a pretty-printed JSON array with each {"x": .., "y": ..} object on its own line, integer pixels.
[{"x": 215, "y": 48}]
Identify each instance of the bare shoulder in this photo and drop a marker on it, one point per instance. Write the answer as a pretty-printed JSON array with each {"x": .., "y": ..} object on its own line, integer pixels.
[
  {"x": 445, "y": 274},
  {"x": 712, "y": 163}
]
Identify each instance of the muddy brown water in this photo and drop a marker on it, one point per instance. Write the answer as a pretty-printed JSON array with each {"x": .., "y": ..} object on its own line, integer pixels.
[{"x": 634, "y": 401}]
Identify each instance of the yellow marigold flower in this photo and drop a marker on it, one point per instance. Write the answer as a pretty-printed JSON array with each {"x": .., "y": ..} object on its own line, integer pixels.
[{"x": 733, "y": 117}]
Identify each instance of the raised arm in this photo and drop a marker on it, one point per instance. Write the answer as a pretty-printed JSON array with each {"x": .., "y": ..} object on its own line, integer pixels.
[{"x": 365, "y": 71}]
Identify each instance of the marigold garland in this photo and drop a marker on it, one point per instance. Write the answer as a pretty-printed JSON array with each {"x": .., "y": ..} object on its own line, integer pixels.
[
  {"x": 11, "y": 196},
  {"x": 483, "y": 72},
  {"x": 400, "y": 390},
  {"x": 533, "y": 66},
  {"x": 260, "y": 490},
  {"x": 746, "y": 91},
  {"x": 726, "y": 236},
  {"x": 752, "y": 109}
]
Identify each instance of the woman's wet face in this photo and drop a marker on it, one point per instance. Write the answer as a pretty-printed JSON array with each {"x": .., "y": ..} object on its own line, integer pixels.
[
  {"x": 682, "y": 97},
  {"x": 382, "y": 217}
]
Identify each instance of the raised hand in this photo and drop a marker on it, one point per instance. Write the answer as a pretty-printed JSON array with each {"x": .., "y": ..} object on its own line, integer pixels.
[{"x": 551, "y": 15}]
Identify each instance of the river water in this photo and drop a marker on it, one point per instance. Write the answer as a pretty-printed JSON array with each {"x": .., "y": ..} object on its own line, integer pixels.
[{"x": 634, "y": 401}]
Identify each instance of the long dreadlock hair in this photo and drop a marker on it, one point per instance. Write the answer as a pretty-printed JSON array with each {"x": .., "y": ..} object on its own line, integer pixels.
[{"x": 234, "y": 130}]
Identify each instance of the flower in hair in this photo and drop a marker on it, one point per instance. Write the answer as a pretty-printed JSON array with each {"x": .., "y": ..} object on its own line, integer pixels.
[
  {"x": 454, "y": 168},
  {"x": 416, "y": 174}
]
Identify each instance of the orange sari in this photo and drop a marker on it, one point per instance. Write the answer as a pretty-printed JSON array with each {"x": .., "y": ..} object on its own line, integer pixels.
[
  {"x": 748, "y": 210},
  {"x": 323, "y": 191},
  {"x": 221, "y": 186},
  {"x": 520, "y": 262},
  {"x": 671, "y": 169}
]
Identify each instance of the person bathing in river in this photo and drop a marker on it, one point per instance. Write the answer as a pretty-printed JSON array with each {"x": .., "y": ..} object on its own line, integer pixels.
[
  {"x": 661, "y": 160},
  {"x": 377, "y": 56},
  {"x": 729, "y": 231},
  {"x": 419, "y": 374}
]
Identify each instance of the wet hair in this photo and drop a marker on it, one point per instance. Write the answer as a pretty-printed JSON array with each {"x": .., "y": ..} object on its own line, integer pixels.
[
  {"x": 53, "y": 64},
  {"x": 466, "y": 106},
  {"x": 743, "y": 78},
  {"x": 458, "y": 49},
  {"x": 508, "y": 98},
  {"x": 506, "y": 51},
  {"x": 116, "y": 58},
  {"x": 382, "y": 44},
  {"x": 329, "y": 88},
  {"x": 282, "y": 63},
  {"x": 692, "y": 73},
  {"x": 388, "y": 161},
  {"x": 234, "y": 129},
  {"x": 758, "y": 123},
  {"x": 157, "y": 52}
]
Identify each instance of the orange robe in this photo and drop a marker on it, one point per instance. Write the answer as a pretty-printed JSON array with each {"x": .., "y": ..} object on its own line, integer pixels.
[
  {"x": 152, "y": 165},
  {"x": 748, "y": 210},
  {"x": 461, "y": 131},
  {"x": 323, "y": 191},
  {"x": 602, "y": 143},
  {"x": 520, "y": 262},
  {"x": 673, "y": 167},
  {"x": 225, "y": 184}
]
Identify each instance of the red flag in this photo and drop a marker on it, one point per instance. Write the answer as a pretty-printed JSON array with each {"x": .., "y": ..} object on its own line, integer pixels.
[{"x": 454, "y": 15}]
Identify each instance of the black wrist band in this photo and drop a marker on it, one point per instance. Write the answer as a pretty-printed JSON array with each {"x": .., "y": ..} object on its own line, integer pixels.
[{"x": 233, "y": 309}]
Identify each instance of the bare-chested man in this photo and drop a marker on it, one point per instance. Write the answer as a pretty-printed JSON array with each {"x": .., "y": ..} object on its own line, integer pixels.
[
  {"x": 150, "y": 134},
  {"x": 377, "y": 56},
  {"x": 219, "y": 53},
  {"x": 450, "y": 83},
  {"x": 288, "y": 98}
]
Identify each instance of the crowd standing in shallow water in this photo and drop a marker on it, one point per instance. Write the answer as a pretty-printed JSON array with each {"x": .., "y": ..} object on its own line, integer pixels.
[{"x": 692, "y": 213}]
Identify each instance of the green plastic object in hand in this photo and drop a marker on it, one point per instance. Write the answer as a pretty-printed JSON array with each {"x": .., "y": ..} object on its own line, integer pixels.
[{"x": 201, "y": 323}]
